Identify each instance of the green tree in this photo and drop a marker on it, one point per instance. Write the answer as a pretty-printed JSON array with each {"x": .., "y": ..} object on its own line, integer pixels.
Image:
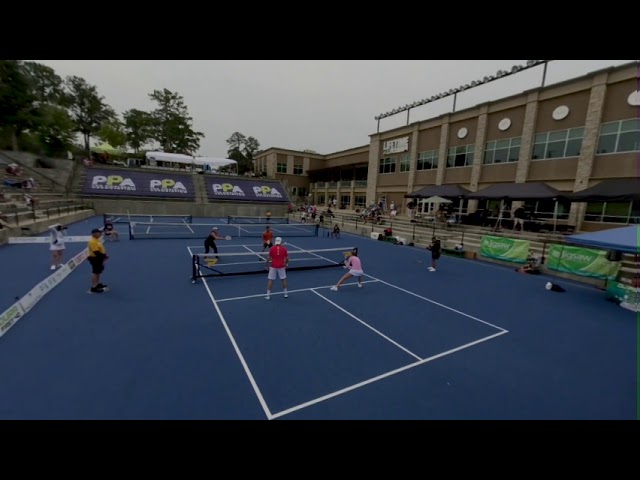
[
  {"x": 46, "y": 85},
  {"x": 172, "y": 127},
  {"x": 16, "y": 99},
  {"x": 113, "y": 132},
  {"x": 54, "y": 130},
  {"x": 235, "y": 142},
  {"x": 242, "y": 149},
  {"x": 138, "y": 126},
  {"x": 51, "y": 124},
  {"x": 87, "y": 107}
]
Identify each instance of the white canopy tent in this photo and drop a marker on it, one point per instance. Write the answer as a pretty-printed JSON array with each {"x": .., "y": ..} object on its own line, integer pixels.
[
  {"x": 170, "y": 157},
  {"x": 214, "y": 163},
  {"x": 207, "y": 163}
]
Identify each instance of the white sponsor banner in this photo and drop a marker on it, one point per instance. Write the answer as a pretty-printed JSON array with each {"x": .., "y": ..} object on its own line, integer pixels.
[
  {"x": 71, "y": 239},
  {"x": 9, "y": 317},
  {"x": 395, "y": 146}
]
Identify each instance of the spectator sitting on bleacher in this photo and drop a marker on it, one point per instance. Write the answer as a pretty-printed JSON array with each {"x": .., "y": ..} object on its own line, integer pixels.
[
  {"x": 388, "y": 232},
  {"x": 14, "y": 169},
  {"x": 533, "y": 265}
]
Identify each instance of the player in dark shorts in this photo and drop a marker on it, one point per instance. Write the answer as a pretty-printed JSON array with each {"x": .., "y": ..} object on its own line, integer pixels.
[
  {"x": 109, "y": 231},
  {"x": 210, "y": 241},
  {"x": 97, "y": 255},
  {"x": 436, "y": 251},
  {"x": 267, "y": 237}
]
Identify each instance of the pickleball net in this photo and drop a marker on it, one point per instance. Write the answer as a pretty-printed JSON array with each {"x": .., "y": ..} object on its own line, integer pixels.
[
  {"x": 206, "y": 265},
  {"x": 247, "y": 219},
  {"x": 128, "y": 218},
  {"x": 157, "y": 230}
]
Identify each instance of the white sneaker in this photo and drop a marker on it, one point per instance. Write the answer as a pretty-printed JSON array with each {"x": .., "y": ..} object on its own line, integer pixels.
[
  {"x": 268, "y": 297},
  {"x": 53, "y": 267},
  {"x": 334, "y": 289},
  {"x": 359, "y": 285},
  {"x": 286, "y": 295},
  {"x": 431, "y": 269}
]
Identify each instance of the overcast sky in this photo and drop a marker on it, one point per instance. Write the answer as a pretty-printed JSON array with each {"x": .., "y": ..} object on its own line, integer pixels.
[{"x": 323, "y": 105}]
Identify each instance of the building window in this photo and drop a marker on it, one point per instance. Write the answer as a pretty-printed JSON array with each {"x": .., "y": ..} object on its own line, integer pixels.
[
  {"x": 460, "y": 156},
  {"x": 405, "y": 163},
  {"x": 297, "y": 169},
  {"x": 613, "y": 212},
  {"x": 321, "y": 198},
  {"x": 618, "y": 137},
  {"x": 560, "y": 144},
  {"x": 281, "y": 168},
  {"x": 345, "y": 200},
  {"x": 502, "y": 151},
  {"x": 360, "y": 200},
  {"x": 388, "y": 165},
  {"x": 427, "y": 160}
]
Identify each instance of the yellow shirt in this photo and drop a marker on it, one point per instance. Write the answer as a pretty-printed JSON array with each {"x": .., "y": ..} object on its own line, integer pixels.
[{"x": 96, "y": 246}]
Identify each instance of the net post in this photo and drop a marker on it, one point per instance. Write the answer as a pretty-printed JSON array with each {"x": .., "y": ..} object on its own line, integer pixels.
[
  {"x": 131, "y": 237},
  {"x": 194, "y": 267}
]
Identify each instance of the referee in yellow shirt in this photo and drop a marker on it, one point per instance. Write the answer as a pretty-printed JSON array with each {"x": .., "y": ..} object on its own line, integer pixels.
[{"x": 97, "y": 257}]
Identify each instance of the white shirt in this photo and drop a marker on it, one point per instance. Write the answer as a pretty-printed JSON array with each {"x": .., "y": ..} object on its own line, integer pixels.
[{"x": 56, "y": 240}]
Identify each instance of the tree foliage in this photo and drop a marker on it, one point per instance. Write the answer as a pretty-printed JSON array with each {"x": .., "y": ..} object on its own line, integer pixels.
[
  {"x": 171, "y": 125},
  {"x": 241, "y": 149},
  {"x": 113, "y": 132},
  {"x": 87, "y": 107},
  {"x": 45, "y": 113},
  {"x": 138, "y": 127}
]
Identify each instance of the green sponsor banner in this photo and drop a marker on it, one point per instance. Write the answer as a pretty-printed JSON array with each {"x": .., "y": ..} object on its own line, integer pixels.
[
  {"x": 622, "y": 293},
  {"x": 585, "y": 262},
  {"x": 508, "y": 249}
]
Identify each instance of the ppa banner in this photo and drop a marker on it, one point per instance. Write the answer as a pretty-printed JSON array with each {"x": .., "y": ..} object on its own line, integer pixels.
[
  {"x": 507, "y": 249},
  {"x": 123, "y": 183},
  {"x": 585, "y": 262},
  {"x": 239, "y": 189}
]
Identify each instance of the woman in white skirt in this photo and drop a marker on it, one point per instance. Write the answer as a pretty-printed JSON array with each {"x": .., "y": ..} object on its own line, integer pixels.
[{"x": 56, "y": 245}]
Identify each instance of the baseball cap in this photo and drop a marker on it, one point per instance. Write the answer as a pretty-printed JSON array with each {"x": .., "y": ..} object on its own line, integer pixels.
[
  {"x": 214, "y": 229},
  {"x": 96, "y": 230},
  {"x": 278, "y": 240}
]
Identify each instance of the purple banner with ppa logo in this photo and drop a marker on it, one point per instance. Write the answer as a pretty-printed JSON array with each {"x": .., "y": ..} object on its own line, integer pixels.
[
  {"x": 123, "y": 183},
  {"x": 236, "y": 189}
]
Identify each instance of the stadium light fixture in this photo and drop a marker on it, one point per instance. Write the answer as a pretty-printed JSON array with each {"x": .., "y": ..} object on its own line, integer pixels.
[{"x": 454, "y": 91}]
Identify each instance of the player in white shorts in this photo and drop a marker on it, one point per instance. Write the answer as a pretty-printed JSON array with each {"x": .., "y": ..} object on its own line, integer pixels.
[
  {"x": 277, "y": 263},
  {"x": 354, "y": 265},
  {"x": 56, "y": 245}
]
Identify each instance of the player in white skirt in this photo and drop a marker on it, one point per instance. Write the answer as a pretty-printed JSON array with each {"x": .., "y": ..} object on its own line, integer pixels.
[
  {"x": 354, "y": 265},
  {"x": 56, "y": 245}
]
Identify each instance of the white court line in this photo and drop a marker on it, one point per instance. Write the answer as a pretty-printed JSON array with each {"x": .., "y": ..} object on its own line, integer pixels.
[
  {"x": 230, "y": 299},
  {"x": 380, "y": 377},
  {"x": 257, "y": 253},
  {"x": 188, "y": 226},
  {"x": 421, "y": 297},
  {"x": 225, "y": 246},
  {"x": 247, "y": 371},
  {"x": 368, "y": 326}
]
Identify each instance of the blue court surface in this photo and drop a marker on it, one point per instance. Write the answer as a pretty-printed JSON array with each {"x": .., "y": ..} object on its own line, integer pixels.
[{"x": 471, "y": 341}]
